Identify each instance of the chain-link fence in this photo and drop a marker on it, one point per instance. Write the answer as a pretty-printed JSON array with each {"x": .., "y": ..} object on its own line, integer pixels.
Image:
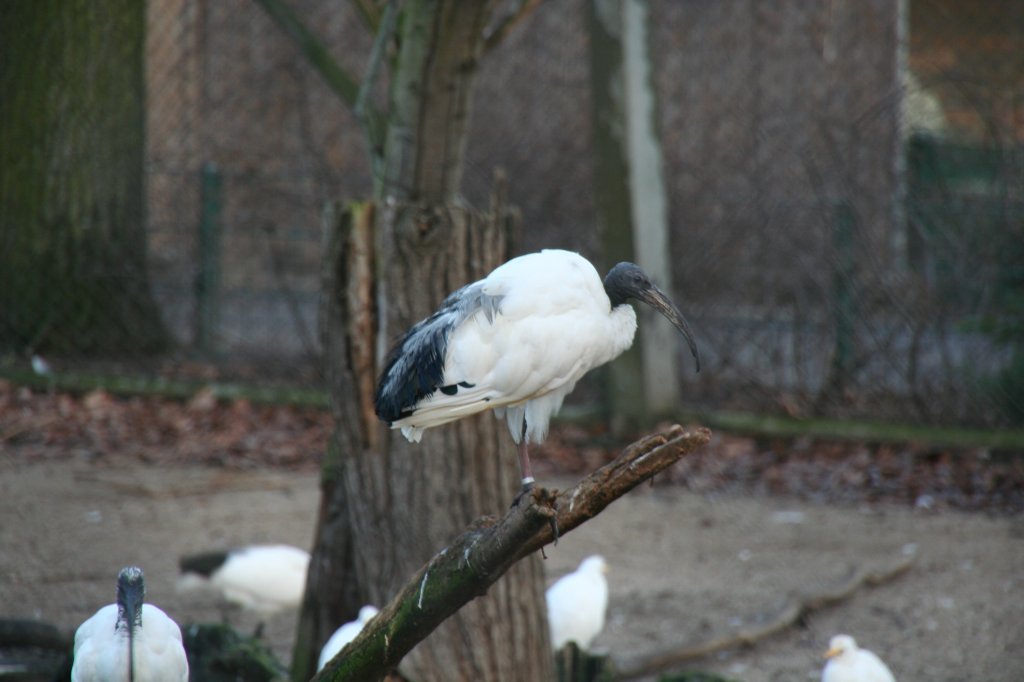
[{"x": 846, "y": 190}]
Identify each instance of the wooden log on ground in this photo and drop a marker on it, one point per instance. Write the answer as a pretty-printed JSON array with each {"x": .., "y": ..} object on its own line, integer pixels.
[{"x": 790, "y": 613}]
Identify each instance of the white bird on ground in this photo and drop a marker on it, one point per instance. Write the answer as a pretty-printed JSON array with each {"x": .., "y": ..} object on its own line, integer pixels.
[
  {"x": 577, "y": 603},
  {"x": 849, "y": 663},
  {"x": 345, "y": 634},
  {"x": 129, "y": 640},
  {"x": 262, "y": 578},
  {"x": 40, "y": 366},
  {"x": 516, "y": 342}
]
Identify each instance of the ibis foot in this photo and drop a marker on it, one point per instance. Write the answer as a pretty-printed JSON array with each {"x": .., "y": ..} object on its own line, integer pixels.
[{"x": 528, "y": 484}]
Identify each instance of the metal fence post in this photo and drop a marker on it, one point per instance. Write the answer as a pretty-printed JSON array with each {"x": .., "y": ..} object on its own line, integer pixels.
[
  {"x": 208, "y": 278},
  {"x": 843, "y": 299}
]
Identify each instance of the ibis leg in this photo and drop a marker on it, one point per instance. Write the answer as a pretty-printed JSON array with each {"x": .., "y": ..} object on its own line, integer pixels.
[{"x": 524, "y": 461}]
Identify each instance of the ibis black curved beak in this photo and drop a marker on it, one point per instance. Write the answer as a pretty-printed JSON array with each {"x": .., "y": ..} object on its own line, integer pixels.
[{"x": 659, "y": 300}]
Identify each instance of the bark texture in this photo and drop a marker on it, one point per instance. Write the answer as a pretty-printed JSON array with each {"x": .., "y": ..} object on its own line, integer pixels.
[
  {"x": 72, "y": 231},
  {"x": 389, "y": 505},
  {"x": 469, "y": 566}
]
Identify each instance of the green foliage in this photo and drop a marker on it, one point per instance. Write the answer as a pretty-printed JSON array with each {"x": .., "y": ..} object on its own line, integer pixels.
[
  {"x": 219, "y": 653},
  {"x": 574, "y": 665}
]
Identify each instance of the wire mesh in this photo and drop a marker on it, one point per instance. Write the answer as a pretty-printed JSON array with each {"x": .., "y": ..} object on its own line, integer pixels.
[{"x": 845, "y": 187}]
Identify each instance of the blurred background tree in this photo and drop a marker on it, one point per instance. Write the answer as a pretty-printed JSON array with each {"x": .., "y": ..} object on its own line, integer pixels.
[{"x": 73, "y": 263}]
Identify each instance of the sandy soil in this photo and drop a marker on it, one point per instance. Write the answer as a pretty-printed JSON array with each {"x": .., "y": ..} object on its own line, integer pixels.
[{"x": 684, "y": 565}]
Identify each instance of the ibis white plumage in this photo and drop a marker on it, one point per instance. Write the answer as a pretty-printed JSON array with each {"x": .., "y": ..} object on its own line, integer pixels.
[
  {"x": 516, "y": 342},
  {"x": 129, "y": 640},
  {"x": 345, "y": 634},
  {"x": 577, "y": 603},
  {"x": 847, "y": 662},
  {"x": 261, "y": 578}
]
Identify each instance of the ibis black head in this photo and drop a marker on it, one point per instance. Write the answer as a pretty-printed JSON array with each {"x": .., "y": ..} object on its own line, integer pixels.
[
  {"x": 131, "y": 592},
  {"x": 204, "y": 564},
  {"x": 627, "y": 280}
]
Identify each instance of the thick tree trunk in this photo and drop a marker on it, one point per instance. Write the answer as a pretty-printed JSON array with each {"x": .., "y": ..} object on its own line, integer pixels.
[
  {"x": 389, "y": 505},
  {"x": 441, "y": 41},
  {"x": 72, "y": 232}
]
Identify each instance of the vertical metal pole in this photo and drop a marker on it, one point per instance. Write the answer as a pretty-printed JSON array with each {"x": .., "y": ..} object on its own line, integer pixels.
[
  {"x": 208, "y": 278},
  {"x": 843, "y": 304}
]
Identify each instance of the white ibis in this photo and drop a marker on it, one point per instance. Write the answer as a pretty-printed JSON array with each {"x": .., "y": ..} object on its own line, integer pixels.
[
  {"x": 849, "y": 663},
  {"x": 345, "y": 634},
  {"x": 129, "y": 640},
  {"x": 262, "y": 578},
  {"x": 577, "y": 603},
  {"x": 516, "y": 342}
]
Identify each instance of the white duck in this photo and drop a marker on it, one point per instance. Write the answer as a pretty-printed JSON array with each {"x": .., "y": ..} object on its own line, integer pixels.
[
  {"x": 577, "y": 603},
  {"x": 849, "y": 663},
  {"x": 345, "y": 634},
  {"x": 261, "y": 578}
]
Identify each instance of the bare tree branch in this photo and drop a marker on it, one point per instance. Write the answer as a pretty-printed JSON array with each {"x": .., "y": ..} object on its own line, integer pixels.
[
  {"x": 480, "y": 555},
  {"x": 507, "y": 23},
  {"x": 372, "y": 124},
  {"x": 789, "y": 613},
  {"x": 370, "y": 13},
  {"x": 343, "y": 84}
]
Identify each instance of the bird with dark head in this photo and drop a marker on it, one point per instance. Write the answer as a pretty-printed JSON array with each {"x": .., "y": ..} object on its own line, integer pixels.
[
  {"x": 261, "y": 578},
  {"x": 627, "y": 280},
  {"x": 129, "y": 640},
  {"x": 516, "y": 342},
  {"x": 131, "y": 593}
]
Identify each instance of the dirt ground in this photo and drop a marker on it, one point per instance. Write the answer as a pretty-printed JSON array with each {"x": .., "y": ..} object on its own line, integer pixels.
[{"x": 684, "y": 565}]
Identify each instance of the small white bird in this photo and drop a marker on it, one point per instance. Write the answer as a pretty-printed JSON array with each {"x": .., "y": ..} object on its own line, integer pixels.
[
  {"x": 849, "y": 663},
  {"x": 577, "y": 603},
  {"x": 262, "y": 578},
  {"x": 40, "y": 366},
  {"x": 345, "y": 634},
  {"x": 129, "y": 640},
  {"x": 516, "y": 342}
]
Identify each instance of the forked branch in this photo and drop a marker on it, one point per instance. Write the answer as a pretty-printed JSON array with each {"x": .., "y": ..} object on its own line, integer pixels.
[{"x": 467, "y": 567}]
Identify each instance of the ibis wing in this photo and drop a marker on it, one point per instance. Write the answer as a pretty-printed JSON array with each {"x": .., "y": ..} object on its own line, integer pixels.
[
  {"x": 99, "y": 647},
  {"x": 159, "y": 649},
  {"x": 506, "y": 362},
  {"x": 415, "y": 369}
]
